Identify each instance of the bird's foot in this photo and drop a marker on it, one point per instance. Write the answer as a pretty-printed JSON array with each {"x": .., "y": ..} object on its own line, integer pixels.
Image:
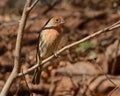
[{"x": 55, "y": 54}]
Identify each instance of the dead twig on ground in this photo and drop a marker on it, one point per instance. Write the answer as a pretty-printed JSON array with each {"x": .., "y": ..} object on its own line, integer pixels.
[{"x": 100, "y": 68}]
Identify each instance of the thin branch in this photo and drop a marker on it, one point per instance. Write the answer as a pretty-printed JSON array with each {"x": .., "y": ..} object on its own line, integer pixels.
[
  {"x": 16, "y": 67},
  {"x": 109, "y": 28},
  {"x": 115, "y": 91},
  {"x": 18, "y": 89},
  {"x": 31, "y": 7},
  {"x": 27, "y": 84},
  {"x": 100, "y": 68}
]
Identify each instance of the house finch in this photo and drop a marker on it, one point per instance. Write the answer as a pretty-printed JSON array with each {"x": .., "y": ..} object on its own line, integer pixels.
[{"x": 48, "y": 41}]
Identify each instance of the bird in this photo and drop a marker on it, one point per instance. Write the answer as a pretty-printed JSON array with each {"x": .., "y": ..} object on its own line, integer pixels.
[{"x": 48, "y": 42}]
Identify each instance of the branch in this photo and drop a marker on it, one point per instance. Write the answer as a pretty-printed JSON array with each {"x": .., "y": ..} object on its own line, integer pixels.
[
  {"x": 31, "y": 7},
  {"x": 27, "y": 85},
  {"x": 109, "y": 28},
  {"x": 100, "y": 68},
  {"x": 16, "y": 68}
]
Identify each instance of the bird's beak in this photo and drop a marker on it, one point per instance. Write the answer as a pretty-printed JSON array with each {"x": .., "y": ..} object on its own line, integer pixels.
[{"x": 62, "y": 21}]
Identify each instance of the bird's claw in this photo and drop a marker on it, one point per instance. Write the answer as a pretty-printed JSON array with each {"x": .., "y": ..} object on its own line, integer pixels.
[{"x": 55, "y": 54}]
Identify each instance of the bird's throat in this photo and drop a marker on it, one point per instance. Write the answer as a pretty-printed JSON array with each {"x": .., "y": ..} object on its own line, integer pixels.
[{"x": 58, "y": 28}]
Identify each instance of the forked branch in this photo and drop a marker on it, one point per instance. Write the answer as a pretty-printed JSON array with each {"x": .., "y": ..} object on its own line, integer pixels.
[{"x": 16, "y": 67}]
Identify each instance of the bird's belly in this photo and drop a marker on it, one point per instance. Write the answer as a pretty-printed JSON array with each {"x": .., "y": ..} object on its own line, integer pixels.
[
  {"x": 51, "y": 44},
  {"x": 50, "y": 49}
]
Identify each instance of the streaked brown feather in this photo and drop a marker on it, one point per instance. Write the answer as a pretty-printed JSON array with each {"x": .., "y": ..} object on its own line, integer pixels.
[{"x": 48, "y": 42}]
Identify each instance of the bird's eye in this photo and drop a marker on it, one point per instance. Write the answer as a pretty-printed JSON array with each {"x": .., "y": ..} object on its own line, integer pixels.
[{"x": 57, "y": 20}]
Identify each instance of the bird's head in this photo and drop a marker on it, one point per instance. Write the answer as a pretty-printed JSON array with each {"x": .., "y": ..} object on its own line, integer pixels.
[{"x": 55, "y": 21}]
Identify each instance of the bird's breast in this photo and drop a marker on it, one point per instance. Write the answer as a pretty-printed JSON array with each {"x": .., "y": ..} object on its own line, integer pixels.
[
  {"x": 51, "y": 35},
  {"x": 49, "y": 41}
]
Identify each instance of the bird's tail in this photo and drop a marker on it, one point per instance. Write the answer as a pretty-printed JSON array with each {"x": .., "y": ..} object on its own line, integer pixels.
[{"x": 36, "y": 77}]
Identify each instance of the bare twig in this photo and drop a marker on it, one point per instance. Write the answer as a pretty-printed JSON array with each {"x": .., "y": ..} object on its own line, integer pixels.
[
  {"x": 115, "y": 91},
  {"x": 16, "y": 68},
  {"x": 34, "y": 3},
  {"x": 101, "y": 84},
  {"x": 27, "y": 84},
  {"x": 114, "y": 26},
  {"x": 18, "y": 88},
  {"x": 100, "y": 68}
]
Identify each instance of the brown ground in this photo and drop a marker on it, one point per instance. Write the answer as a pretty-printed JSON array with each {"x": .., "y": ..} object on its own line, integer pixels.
[{"x": 75, "y": 69}]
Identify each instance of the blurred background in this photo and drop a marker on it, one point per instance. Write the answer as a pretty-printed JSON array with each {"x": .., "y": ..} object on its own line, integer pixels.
[{"x": 78, "y": 71}]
